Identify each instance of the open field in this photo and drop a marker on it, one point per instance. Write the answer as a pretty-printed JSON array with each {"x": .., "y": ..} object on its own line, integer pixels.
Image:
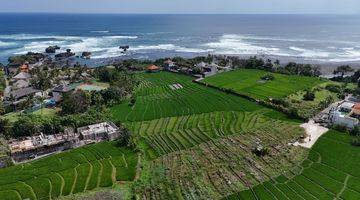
[
  {"x": 74, "y": 171},
  {"x": 155, "y": 98},
  {"x": 248, "y": 82},
  {"x": 329, "y": 172}
]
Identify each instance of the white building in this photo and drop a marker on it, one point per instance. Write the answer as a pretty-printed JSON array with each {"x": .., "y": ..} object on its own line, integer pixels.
[
  {"x": 346, "y": 114},
  {"x": 99, "y": 132}
]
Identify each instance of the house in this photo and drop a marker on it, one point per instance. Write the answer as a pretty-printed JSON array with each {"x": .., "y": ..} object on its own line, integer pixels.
[
  {"x": 59, "y": 91},
  {"x": 21, "y": 76},
  {"x": 208, "y": 69},
  {"x": 169, "y": 65},
  {"x": 24, "y": 68},
  {"x": 21, "y": 93},
  {"x": 35, "y": 146},
  {"x": 21, "y": 84},
  {"x": 152, "y": 69},
  {"x": 99, "y": 132},
  {"x": 346, "y": 114}
]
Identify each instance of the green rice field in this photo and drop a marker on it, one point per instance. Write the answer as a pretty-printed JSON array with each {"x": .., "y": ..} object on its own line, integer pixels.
[
  {"x": 248, "y": 82},
  {"x": 329, "y": 172},
  {"x": 71, "y": 172},
  {"x": 155, "y": 98}
]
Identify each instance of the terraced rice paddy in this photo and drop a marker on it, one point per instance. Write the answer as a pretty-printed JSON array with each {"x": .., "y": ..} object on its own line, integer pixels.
[
  {"x": 330, "y": 172},
  {"x": 248, "y": 82},
  {"x": 199, "y": 140},
  {"x": 156, "y": 99},
  {"x": 78, "y": 170}
]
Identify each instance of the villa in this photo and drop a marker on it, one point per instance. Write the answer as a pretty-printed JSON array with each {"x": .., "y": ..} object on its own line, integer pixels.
[
  {"x": 346, "y": 114},
  {"x": 99, "y": 132},
  {"x": 169, "y": 65},
  {"x": 35, "y": 146}
]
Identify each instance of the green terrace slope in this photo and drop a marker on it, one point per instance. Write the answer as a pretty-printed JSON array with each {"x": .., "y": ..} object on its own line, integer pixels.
[
  {"x": 78, "y": 170},
  {"x": 198, "y": 141},
  {"x": 156, "y": 98},
  {"x": 248, "y": 82},
  {"x": 331, "y": 171},
  {"x": 210, "y": 156}
]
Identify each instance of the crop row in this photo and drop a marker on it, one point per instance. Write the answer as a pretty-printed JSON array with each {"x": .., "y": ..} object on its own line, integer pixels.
[
  {"x": 156, "y": 99},
  {"x": 71, "y": 172},
  {"x": 325, "y": 174},
  {"x": 220, "y": 167}
]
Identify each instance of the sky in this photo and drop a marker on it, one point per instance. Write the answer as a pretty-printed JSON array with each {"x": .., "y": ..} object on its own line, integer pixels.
[{"x": 184, "y": 6}]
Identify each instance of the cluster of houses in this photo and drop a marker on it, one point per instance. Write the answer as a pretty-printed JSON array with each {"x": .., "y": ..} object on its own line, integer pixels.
[
  {"x": 41, "y": 145},
  {"x": 19, "y": 88},
  {"x": 200, "y": 70},
  {"x": 346, "y": 113}
]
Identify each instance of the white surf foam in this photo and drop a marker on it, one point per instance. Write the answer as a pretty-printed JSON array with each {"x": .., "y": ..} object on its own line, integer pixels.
[
  {"x": 234, "y": 44},
  {"x": 7, "y": 44},
  {"x": 99, "y": 31},
  {"x": 309, "y": 53}
]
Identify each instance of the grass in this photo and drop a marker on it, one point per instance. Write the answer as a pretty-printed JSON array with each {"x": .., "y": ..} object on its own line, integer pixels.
[
  {"x": 155, "y": 99},
  {"x": 328, "y": 173},
  {"x": 46, "y": 112},
  {"x": 248, "y": 82},
  {"x": 70, "y": 172}
]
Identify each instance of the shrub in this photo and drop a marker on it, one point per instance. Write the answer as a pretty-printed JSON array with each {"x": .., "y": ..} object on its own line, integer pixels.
[
  {"x": 333, "y": 88},
  {"x": 309, "y": 96},
  {"x": 355, "y": 131},
  {"x": 356, "y": 141},
  {"x": 268, "y": 77},
  {"x": 340, "y": 128}
]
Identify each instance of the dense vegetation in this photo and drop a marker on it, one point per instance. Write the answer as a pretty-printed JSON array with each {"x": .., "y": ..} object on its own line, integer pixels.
[
  {"x": 78, "y": 170},
  {"x": 329, "y": 172}
]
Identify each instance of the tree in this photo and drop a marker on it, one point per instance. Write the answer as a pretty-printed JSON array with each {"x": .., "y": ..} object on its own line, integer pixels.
[
  {"x": 342, "y": 70},
  {"x": 76, "y": 102},
  {"x": 25, "y": 126},
  {"x": 309, "y": 96}
]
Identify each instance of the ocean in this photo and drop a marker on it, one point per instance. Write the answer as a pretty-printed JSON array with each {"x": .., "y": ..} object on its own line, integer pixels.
[{"x": 308, "y": 38}]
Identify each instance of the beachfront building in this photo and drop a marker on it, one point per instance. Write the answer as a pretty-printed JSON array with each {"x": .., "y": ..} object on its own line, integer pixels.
[
  {"x": 152, "y": 69},
  {"x": 99, "y": 132}
]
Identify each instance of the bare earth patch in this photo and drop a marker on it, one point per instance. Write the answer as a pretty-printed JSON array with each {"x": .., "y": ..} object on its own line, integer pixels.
[{"x": 313, "y": 131}]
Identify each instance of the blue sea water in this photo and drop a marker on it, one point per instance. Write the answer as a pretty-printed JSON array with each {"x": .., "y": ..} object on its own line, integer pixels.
[{"x": 313, "y": 38}]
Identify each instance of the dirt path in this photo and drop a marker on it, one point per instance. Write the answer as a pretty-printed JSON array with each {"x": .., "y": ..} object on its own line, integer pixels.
[{"x": 314, "y": 132}]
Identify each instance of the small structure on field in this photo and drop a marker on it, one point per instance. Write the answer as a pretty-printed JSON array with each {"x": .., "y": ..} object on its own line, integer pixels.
[
  {"x": 152, "y": 69},
  {"x": 99, "y": 132},
  {"x": 176, "y": 86}
]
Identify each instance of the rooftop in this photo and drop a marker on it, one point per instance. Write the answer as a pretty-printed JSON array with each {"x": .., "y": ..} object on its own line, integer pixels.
[{"x": 104, "y": 127}]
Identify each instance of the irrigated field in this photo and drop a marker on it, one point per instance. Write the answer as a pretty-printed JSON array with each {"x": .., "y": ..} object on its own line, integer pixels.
[
  {"x": 199, "y": 141},
  {"x": 78, "y": 170},
  {"x": 158, "y": 98},
  {"x": 248, "y": 82},
  {"x": 330, "y": 172}
]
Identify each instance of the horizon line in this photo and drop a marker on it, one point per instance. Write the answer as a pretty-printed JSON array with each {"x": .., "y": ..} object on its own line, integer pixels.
[{"x": 140, "y": 13}]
